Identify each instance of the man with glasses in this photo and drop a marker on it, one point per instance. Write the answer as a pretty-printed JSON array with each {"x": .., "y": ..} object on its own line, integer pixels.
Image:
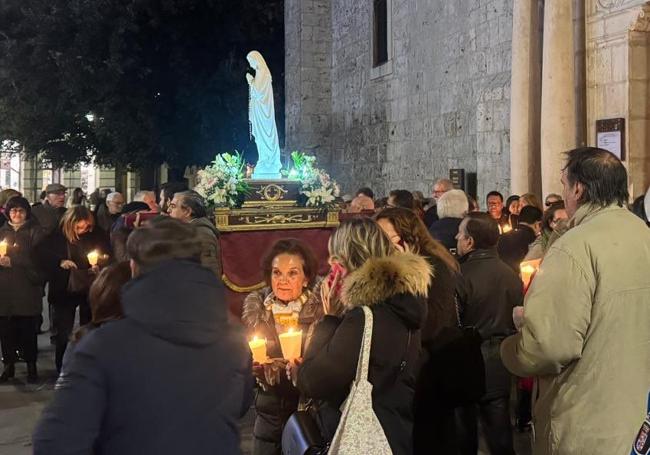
[
  {"x": 49, "y": 213},
  {"x": 440, "y": 187},
  {"x": 552, "y": 199},
  {"x": 494, "y": 201}
]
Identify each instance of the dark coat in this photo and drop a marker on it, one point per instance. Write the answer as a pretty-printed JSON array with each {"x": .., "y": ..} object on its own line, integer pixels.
[
  {"x": 395, "y": 289},
  {"x": 445, "y": 231},
  {"x": 22, "y": 283},
  {"x": 209, "y": 237},
  {"x": 488, "y": 292},
  {"x": 275, "y": 405},
  {"x": 430, "y": 215},
  {"x": 171, "y": 377},
  {"x": 56, "y": 248},
  {"x": 48, "y": 217}
]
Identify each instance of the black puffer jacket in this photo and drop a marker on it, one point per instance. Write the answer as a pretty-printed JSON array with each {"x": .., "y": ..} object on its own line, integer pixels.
[
  {"x": 22, "y": 283},
  {"x": 172, "y": 377},
  {"x": 395, "y": 289}
]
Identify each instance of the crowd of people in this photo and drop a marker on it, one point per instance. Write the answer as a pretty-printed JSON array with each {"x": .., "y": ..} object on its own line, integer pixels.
[{"x": 157, "y": 365}]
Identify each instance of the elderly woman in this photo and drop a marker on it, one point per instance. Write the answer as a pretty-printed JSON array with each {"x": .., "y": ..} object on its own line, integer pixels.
[
  {"x": 65, "y": 257},
  {"x": 452, "y": 207},
  {"x": 289, "y": 301},
  {"x": 393, "y": 285},
  {"x": 21, "y": 281}
]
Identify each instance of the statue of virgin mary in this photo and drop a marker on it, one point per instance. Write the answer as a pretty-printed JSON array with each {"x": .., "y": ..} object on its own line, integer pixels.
[{"x": 261, "y": 114}]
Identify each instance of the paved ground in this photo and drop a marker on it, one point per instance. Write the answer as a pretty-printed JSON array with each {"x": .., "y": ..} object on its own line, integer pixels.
[{"x": 21, "y": 405}]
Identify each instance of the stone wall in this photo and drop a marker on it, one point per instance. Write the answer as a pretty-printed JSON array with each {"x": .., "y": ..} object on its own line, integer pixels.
[
  {"x": 618, "y": 74},
  {"x": 308, "y": 61},
  {"x": 444, "y": 103}
]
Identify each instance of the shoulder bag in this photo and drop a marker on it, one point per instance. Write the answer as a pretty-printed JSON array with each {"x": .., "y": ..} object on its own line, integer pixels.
[{"x": 359, "y": 431}]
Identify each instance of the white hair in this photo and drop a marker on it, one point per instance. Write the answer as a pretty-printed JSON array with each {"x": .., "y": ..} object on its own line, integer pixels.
[
  {"x": 453, "y": 204},
  {"x": 140, "y": 195},
  {"x": 113, "y": 195}
]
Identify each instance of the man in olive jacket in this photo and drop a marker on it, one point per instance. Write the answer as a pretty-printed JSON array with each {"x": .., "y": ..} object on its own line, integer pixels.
[{"x": 587, "y": 314}]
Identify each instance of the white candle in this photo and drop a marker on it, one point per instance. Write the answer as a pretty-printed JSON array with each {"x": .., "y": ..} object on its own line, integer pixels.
[
  {"x": 291, "y": 343},
  {"x": 3, "y": 248},
  {"x": 258, "y": 349},
  {"x": 93, "y": 257}
]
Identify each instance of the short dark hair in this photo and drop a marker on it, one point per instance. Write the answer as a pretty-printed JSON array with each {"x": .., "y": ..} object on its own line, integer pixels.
[
  {"x": 163, "y": 239},
  {"x": 530, "y": 215},
  {"x": 402, "y": 198},
  {"x": 366, "y": 191},
  {"x": 170, "y": 188},
  {"x": 18, "y": 202},
  {"x": 194, "y": 202},
  {"x": 295, "y": 247},
  {"x": 483, "y": 229},
  {"x": 601, "y": 173},
  {"x": 494, "y": 193}
]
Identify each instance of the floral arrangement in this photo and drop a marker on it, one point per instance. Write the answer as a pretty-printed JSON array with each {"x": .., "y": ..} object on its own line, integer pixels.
[
  {"x": 222, "y": 182},
  {"x": 317, "y": 189}
]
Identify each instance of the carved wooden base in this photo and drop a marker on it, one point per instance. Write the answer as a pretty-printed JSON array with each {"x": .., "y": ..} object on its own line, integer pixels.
[
  {"x": 268, "y": 218},
  {"x": 264, "y": 193}
]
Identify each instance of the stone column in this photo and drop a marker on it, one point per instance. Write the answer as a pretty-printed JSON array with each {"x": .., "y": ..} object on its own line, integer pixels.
[
  {"x": 558, "y": 125},
  {"x": 525, "y": 173},
  {"x": 580, "y": 42}
]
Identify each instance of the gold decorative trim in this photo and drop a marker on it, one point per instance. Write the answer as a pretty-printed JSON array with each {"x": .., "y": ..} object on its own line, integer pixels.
[
  {"x": 272, "y": 192},
  {"x": 278, "y": 219},
  {"x": 233, "y": 287},
  {"x": 261, "y": 203}
]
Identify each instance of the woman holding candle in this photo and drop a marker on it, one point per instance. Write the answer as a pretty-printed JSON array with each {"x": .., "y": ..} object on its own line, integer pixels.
[
  {"x": 67, "y": 255},
  {"x": 21, "y": 281},
  {"x": 283, "y": 314},
  {"x": 394, "y": 286}
]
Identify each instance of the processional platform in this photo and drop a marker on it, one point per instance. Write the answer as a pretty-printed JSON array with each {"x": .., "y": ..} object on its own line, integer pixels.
[{"x": 270, "y": 212}]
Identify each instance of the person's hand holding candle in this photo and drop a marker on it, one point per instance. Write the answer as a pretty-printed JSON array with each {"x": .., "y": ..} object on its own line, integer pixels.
[
  {"x": 291, "y": 343},
  {"x": 3, "y": 248},
  {"x": 93, "y": 258}
]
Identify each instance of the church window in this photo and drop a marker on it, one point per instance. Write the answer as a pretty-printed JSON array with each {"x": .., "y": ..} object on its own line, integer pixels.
[{"x": 380, "y": 32}]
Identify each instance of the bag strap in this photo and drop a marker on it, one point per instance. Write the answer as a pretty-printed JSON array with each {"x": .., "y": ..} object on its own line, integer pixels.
[{"x": 366, "y": 341}]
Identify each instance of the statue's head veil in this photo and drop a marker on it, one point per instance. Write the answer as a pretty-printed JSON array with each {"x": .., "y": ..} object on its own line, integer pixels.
[{"x": 261, "y": 69}]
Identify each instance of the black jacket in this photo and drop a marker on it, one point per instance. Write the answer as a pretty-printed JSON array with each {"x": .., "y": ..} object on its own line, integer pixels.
[
  {"x": 48, "y": 217},
  {"x": 22, "y": 283},
  {"x": 55, "y": 248},
  {"x": 488, "y": 292},
  {"x": 445, "y": 231},
  {"x": 430, "y": 215},
  {"x": 395, "y": 289},
  {"x": 171, "y": 377}
]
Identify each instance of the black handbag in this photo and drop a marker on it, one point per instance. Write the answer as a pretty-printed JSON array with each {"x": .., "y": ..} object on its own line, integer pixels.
[
  {"x": 301, "y": 436},
  {"x": 79, "y": 280}
]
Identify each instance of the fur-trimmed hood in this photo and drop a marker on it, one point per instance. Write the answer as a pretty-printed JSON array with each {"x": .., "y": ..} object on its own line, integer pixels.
[{"x": 401, "y": 281}]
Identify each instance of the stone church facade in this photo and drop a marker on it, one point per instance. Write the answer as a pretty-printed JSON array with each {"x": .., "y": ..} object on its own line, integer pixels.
[{"x": 435, "y": 94}]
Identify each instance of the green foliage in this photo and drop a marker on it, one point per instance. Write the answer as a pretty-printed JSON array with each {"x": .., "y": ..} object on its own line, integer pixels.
[{"x": 163, "y": 79}]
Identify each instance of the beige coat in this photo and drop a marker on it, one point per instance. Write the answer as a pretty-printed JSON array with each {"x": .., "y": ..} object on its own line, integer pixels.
[{"x": 587, "y": 336}]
